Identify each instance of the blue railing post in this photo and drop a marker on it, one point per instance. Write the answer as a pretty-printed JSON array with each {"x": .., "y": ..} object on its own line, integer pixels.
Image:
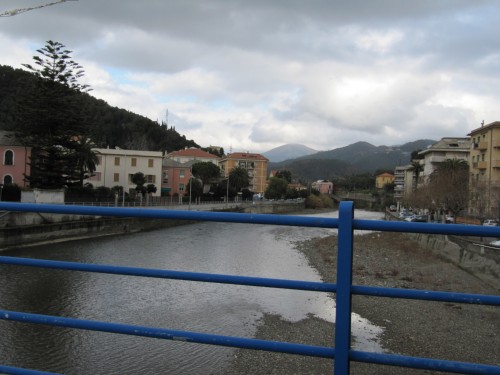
[{"x": 344, "y": 283}]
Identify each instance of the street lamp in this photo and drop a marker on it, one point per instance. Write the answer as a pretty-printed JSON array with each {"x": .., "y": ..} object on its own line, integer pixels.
[
  {"x": 190, "y": 187},
  {"x": 227, "y": 191}
]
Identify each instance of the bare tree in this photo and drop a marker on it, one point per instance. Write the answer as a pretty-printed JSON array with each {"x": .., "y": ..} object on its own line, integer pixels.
[
  {"x": 449, "y": 184},
  {"x": 15, "y": 12}
]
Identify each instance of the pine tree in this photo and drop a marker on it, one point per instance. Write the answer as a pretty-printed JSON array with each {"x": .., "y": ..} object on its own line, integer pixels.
[{"x": 51, "y": 118}]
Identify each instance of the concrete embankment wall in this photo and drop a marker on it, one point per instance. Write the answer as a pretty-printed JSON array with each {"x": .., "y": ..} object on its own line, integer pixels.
[
  {"x": 469, "y": 253},
  {"x": 274, "y": 208},
  {"x": 25, "y": 228},
  {"x": 67, "y": 230}
]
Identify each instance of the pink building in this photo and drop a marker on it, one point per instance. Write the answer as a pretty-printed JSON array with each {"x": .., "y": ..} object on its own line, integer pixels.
[
  {"x": 323, "y": 186},
  {"x": 176, "y": 169},
  {"x": 175, "y": 177},
  {"x": 14, "y": 160}
]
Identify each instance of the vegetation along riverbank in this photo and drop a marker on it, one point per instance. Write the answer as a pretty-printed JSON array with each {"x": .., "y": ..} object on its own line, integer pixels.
[{"x": 417, "y": 328}]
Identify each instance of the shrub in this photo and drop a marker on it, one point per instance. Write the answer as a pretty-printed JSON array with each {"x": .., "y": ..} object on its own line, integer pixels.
[
  {"x": 326, "y": 200},
  {"x": 313, "y": 201}
]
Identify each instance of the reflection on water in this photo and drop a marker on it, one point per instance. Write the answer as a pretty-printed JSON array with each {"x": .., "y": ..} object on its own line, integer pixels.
[{"x": 237, "y": 249}]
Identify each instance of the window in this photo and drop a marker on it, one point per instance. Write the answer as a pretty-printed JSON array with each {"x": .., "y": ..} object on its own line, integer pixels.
[
  {"x": 181, "y": 187},
  {"x": 7, "y": 180},
  {"x": 8, "y": 158},
  {"x": 150, "y": 178},
  {"x": 165, "y": 177},
  {"x": 181, "y": 173},
  {"x": 150, "y": 163},
  {"x": 99, "y": 160},
  {"x": 133, "y": 162},
  {"x": 117, "y": 160},
  {"x": 116, "y": 177}
]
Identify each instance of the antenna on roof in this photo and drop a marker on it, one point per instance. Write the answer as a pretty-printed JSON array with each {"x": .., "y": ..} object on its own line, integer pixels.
[{"x": 482, "y": 123}]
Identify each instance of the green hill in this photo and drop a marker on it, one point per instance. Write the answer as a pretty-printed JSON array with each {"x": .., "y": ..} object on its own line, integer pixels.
[{"x": 108, "y": 126}]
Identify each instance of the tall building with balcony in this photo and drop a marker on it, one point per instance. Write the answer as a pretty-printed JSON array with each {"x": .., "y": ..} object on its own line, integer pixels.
[
  {"x": 446, "y": 148},
  {"x": 255, "y": 164},
  {"x": 484, "y": 182},
  {"x": 403, "y": 181}
]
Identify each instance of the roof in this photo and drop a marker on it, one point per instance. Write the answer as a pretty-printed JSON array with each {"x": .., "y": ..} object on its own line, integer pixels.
[
  {"x": 492, "y": 125},
  {"x": 171, "y": 163},
  {"x": 193, "y": 153},
  {"x": 245, "y": 155},
  {"x": 385, "y": 175},
  {"x": 119, "y": 151},
  {"x": 449, "y": 143}
]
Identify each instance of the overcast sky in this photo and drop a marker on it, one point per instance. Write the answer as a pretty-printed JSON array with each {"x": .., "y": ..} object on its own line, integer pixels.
[{"x": 254, "y": 75}]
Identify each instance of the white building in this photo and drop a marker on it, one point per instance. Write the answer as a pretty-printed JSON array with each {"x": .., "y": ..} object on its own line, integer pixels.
[
  {"x": 117, "y": 166},
  {"x": 446, "y": 148}
]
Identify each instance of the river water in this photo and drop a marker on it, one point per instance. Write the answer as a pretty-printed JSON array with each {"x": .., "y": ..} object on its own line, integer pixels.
[{"x": 236, "y": 249}]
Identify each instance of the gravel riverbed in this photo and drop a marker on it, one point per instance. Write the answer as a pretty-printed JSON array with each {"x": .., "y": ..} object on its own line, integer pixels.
[{"x": 468, "y": 333}]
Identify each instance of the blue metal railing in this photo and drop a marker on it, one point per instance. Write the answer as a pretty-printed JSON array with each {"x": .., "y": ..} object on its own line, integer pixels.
[{"x": 341, "y": 352}]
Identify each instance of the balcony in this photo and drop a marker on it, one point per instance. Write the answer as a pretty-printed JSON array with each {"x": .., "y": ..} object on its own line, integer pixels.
[
  {"x": 482, "y": 145},
  {"x": 495, "y": 163},
  {"x": 496, "y": 143},
  {"x": 437, "y": 159},
  {"x": 482, "y": 165}
]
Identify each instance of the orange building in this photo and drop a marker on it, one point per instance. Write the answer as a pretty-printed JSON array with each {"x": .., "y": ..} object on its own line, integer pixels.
[
  {"x": 383, "y": 179},
  {"x": 255, "y": 164}
]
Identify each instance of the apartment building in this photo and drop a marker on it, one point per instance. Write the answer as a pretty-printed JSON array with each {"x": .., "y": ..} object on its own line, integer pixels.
[
  {"x": 255, "y": 164},
  {"x": 117, "y": 166},
  {"x": 484, "y": 182},
  {"x": 446, "y": 148},
  {"x": 175, "y": 177},
  {"x": 176, "y": 170},
  {"x": 403, "y": 181}
]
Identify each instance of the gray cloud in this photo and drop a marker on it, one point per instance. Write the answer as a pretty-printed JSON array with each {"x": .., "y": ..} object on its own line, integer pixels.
[{"x": 260, "y": 74}]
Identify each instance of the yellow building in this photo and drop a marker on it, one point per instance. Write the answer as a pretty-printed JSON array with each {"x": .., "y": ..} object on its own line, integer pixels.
[
  {"x": 255, "y": 164},
  {"x": 484, "y": 182},
  {"x": 383, "y": 179}
]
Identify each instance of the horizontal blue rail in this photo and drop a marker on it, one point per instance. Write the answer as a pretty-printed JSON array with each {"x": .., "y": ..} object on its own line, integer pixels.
[{"x": 346, "y": 224}]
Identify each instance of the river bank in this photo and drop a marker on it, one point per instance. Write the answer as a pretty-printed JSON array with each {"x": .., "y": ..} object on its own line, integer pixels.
[{"x": 418, "y": 328}]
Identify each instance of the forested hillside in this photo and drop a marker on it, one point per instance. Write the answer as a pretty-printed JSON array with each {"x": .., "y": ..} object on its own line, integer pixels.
[{"x": 108, "y": 126}]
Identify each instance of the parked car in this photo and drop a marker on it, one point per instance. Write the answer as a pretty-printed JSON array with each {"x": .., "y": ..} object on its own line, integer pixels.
[
  {"x": 490, "y": 223},
  {"x": 449, "y": 219},
  {"x": 405, "y": 214},
  {"x": 418, "y": 218},
  {"x": 392, "y": 208}
]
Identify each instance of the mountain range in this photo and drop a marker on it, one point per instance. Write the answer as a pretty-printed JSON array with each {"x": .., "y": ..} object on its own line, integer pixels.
[
  {"x": 359, "y": 157},
  {"x": 289, "y": 151}
]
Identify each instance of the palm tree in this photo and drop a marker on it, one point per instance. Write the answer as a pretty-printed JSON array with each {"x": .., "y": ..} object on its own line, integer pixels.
[
  {"x": 84, "y": 158},
  {"x": 417, "y": 168}
]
